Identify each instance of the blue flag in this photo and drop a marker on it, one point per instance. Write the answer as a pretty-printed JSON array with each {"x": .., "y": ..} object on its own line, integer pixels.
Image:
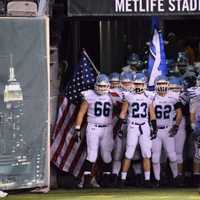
[{"x": 157, "y": 59}]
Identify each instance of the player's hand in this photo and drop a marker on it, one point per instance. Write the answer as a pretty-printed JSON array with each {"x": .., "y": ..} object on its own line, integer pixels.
[
  {"x": 77, "y": 135},
  {"x": 173, "y": 131},
  {"x": 153, "y": 134},
  {"x": 118, "y": 125}
]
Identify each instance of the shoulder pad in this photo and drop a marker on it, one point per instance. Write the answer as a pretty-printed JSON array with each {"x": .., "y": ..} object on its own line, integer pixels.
[{"x": 85, "y": 94}]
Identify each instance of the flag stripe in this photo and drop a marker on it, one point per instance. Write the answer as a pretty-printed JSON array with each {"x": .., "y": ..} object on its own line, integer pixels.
[
  {"x": 79, "y": 169},
  {"x": 66, "y": 131},
  {"x": 59, "y": 137},
  {"x": 69, "y": 158},
  {"x": 64, "y": 108},
  {"x": 67, "y": 152},
  {"x": 81, "y": 148}
]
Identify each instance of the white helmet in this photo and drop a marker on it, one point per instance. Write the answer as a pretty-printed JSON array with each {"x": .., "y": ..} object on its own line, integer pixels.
[
  {"x": 139, "y": 83},
  {"x": 175, "y": 84},
  {"x": 126, "y": 81},
  {"x": 102, "y": 84},
  {"x": 114, "y": 80}
]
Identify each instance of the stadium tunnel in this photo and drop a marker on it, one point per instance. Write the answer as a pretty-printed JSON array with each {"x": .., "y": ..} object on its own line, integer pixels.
[{"x": 110, "y": 39}]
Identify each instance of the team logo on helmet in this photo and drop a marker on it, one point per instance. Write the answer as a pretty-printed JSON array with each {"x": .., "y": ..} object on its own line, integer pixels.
[{"x": 102, "y": 84}]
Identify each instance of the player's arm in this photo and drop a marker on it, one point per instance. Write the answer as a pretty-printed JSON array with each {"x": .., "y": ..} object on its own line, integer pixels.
[
  {"x": 152, "y": 112},
  {"x": 124, "y": 110},
  {"x": 122, "y": 118},
  {"x": 193, "y": 107},
  {"x": 178, "y": 113},
  {"x": 82, "y": 111},
  {"x": 153, "y": 121},
  {"x": 173, "y": 131}
]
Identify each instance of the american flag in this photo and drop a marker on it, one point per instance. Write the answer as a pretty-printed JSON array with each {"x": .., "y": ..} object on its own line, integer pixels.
[{"x": 67, "y": 154}]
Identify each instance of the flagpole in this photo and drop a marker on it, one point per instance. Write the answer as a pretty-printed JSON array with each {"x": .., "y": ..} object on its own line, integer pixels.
[{"x": 93, "y": 65}]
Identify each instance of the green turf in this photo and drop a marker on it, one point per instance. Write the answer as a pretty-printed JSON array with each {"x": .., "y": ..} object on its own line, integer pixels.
[{"x": 109, "y": 194}]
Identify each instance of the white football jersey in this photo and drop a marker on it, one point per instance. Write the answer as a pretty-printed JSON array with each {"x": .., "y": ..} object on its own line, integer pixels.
[
  {"x": 165, "y": 108},
  {"x": 100, "y": 107},
  {"x": 150, "y": 94},
  {"x": 138, "y": 107}
]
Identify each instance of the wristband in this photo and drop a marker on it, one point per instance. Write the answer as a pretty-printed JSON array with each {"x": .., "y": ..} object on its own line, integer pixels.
[
  {"x": 154, "y": 124},
  {"x": 122, "y": 121}
]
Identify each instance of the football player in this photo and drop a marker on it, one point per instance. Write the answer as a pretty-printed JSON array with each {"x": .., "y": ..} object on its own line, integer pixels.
[
  {"x": 182, "y": 62},
  {"x": 98, "y": 106},
  {"x": 133, "y": 63},
  {"x": 126, "y": 85},
  {"x": 114, "y": 80},
  {"x": 195, "y": 125},
  {"x": 176, "y": 86},
  {"x": 137, "y": 105},
  {"x": 165, "y": 103}
]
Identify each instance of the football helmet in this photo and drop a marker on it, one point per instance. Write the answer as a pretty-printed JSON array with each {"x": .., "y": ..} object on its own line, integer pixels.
[
  {"x": 182, "y": 62},
  {"x": 175, "y": 84},
  {"x": 161, "y": 84},
  {"x": 126, "y": 81},
  {"x": 139, "y": 83},
  {"x": 190, "y": 68},
  {"x": 182, "y": 59},
  {"x": 102, "y": 84},
  {"x": 114, "y": 80},
  {"x": 133, "y": 59},
  {"x": 189, "y": 79},
  {"x": 198, "y": 81}
]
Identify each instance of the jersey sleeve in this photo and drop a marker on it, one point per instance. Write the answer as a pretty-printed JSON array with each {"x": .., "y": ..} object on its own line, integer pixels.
[
  {"x": 175, "y": 100},
  {"x": 193, "y": 105}
]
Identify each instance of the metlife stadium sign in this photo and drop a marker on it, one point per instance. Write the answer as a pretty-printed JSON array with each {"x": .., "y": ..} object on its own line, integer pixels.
[{"x": 133, "y": 7}]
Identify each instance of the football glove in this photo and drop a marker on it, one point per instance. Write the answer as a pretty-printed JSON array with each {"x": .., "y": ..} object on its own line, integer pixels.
[
  {"x": 118, "y": 125},
  {"x": 153, "y": 134},
  {"x": 154, "y": 129},
  {"x": 173, "y": 131},
  {"x": 77, "y": 135}
]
